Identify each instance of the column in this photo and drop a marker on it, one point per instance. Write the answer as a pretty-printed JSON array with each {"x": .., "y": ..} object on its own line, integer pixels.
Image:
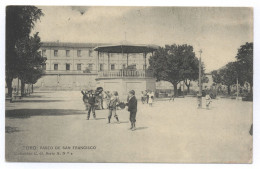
[
  {"x": 144, "y": 61},
  {"x": 108, "y": 61},
  {"x": 126, "y": 59},
  {"x": 98, "y": 62}
]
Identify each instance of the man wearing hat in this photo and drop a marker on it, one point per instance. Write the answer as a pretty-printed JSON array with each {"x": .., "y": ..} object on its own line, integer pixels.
[
  {"x": 132, "y": 108},
  {"x": 92, "y": 101}
]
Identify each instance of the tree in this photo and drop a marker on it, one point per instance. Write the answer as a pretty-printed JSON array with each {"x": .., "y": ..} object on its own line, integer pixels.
[
  {"x": 173, "y": 64},
  {"x": 229, "y": 75},
  {"x": 19, "y": 23},
  {"x": 190, "y": 68},
  {"x": 216, "y": 79},
  {"x": 245, "y": 65},
  {"x": 30, "y": 60}
]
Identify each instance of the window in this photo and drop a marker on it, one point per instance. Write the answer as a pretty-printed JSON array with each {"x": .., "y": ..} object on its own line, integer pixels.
[
  {"x": 55, "y": 66},
  {"x": 67, "y": 53},
  {"x": 144, "y": 67},
  {"x": 55, "y": 52},
  {"x": 134, "y": 66},
  {"x": 78, "y": 66},
  {"x": 79, "y": 53},
  {"x": 67, "y": 66},
  {"x": 90, "y": 53},
  {"x": 90, "y": 66},
  {"x": 44, "y": 66},
  {"x": 44, "y": 52},
  {"x": 112, "y": 66},
  {"x": 101, "y": 67},
  {"x": 123, "y": 66}
]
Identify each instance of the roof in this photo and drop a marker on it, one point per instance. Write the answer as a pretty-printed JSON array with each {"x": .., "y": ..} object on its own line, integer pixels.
[
  {"x": 71, "y": 45},
  {"x": 125, "y": 47}
]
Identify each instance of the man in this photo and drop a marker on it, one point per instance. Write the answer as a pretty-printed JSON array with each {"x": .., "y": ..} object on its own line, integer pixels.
[
  {"x": 132, "y": 108},
  {"x": 92, "y": 104}
]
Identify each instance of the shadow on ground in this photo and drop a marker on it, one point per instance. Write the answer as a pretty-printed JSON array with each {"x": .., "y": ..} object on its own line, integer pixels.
[
  {"x": 37, "y": 101},
  {"x": 141, "y": 128},
  {"x": 34, "y": 96},
  {"x": 27, "y": 113},
  {"x": 9, "y": 129}
]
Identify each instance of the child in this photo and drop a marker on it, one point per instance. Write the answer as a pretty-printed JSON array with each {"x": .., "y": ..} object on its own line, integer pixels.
[
  {"x": 132, "y": 108},
  {"x": 208, "y": 100},
  {"x": 113, "y": 100}
]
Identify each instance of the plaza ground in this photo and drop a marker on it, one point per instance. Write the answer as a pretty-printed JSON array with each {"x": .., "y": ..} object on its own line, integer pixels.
[{"x": 167, "y": 132}]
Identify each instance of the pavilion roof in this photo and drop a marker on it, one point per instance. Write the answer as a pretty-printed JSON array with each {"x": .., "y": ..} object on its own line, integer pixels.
[{"x": 125, "y": 47}]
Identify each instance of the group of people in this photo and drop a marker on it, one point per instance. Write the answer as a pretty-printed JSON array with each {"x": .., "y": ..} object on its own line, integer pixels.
[
  {"x": 147, "y": 97},
  {"x": 93, "y": 98}
]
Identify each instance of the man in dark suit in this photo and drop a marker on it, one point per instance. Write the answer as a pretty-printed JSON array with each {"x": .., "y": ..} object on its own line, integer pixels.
[
  {"x": 92, "y": 104},
  {"x": 132, "y": 108}
]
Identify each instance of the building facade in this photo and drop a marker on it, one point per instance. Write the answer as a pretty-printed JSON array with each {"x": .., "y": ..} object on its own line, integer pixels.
[{"x": 75, "y": 66}]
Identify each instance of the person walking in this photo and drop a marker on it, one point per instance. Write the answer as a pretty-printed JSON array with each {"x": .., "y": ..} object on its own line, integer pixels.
[
  {"x": 132, "y": 108},
  {"x": 113, "y": 101}
]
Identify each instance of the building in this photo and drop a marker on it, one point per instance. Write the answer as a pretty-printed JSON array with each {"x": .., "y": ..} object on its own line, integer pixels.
[{"x": 75, "y": 66}]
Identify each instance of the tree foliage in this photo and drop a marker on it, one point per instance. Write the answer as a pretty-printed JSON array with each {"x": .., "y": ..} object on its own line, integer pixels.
[
  {"x": 30, "y": 60},
  {"x": 245, "y": 64},
  {"x": 174, "y": 63},
  {"x": 20, "y": 21}
]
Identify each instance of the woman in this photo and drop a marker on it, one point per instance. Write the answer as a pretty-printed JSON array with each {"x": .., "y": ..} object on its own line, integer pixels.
[{"x": 151, "y": 97}]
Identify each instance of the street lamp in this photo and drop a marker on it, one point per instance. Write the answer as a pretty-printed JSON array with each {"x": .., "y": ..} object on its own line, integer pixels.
[{"x": 200, "y": 87}]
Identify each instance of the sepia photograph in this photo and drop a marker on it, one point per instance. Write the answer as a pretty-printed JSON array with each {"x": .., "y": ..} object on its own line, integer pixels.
[{"x": 129, "y": 84}]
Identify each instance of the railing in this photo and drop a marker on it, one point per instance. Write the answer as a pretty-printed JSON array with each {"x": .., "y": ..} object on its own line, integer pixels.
[
  {"x": 125, "y": 73},
  {"x": 70, "y": 72}
]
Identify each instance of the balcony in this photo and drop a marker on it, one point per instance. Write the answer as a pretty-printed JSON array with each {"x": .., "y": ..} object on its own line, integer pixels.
[
  {"x": 124, "y": 73},
  {"x": 68, "y": 72}
]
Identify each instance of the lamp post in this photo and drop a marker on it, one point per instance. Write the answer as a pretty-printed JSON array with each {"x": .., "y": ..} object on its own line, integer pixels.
[
  {"x": 237, "y": 89},
  {"x": 200, "y": 87}
]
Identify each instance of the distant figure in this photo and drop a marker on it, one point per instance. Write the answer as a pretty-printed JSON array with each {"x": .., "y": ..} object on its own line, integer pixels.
[
  {"x": 147, "y": 96},
  {"x": 172, "y": 97},
  {"x": 132, "y": 108},
  {"x": 151, "y": 97},
  {"x": 208, "y": 100},
  {"x": 114, "y": 100},
  {"x": 143, "y": 97}
]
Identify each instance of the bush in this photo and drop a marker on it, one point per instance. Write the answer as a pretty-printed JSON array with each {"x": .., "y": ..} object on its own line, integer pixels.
[{"x": 248, "y": 98}]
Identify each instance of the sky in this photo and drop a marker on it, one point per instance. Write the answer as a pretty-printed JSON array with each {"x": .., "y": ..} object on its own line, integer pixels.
[{"x": 218, "y": 32}]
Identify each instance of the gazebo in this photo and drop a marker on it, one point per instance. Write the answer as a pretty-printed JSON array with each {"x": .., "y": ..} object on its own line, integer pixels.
[{"x": 128, "y": 77}]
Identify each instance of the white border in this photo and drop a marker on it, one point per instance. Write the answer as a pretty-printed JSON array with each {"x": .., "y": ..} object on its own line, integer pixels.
[{"x": 242, "y": 3}]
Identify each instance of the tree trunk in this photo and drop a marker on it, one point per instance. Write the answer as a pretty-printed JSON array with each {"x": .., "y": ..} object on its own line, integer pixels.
[
  {"x": 251, "y": 89},
  {"x": 188, "y": 88},
  {"x": 228, "y": 87},
  {"x": 32, "y": 88},
  {"x": 175, "y": 89},
  {"x": 22, "y": 87},
  {"x": 9, "y": 86}
]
